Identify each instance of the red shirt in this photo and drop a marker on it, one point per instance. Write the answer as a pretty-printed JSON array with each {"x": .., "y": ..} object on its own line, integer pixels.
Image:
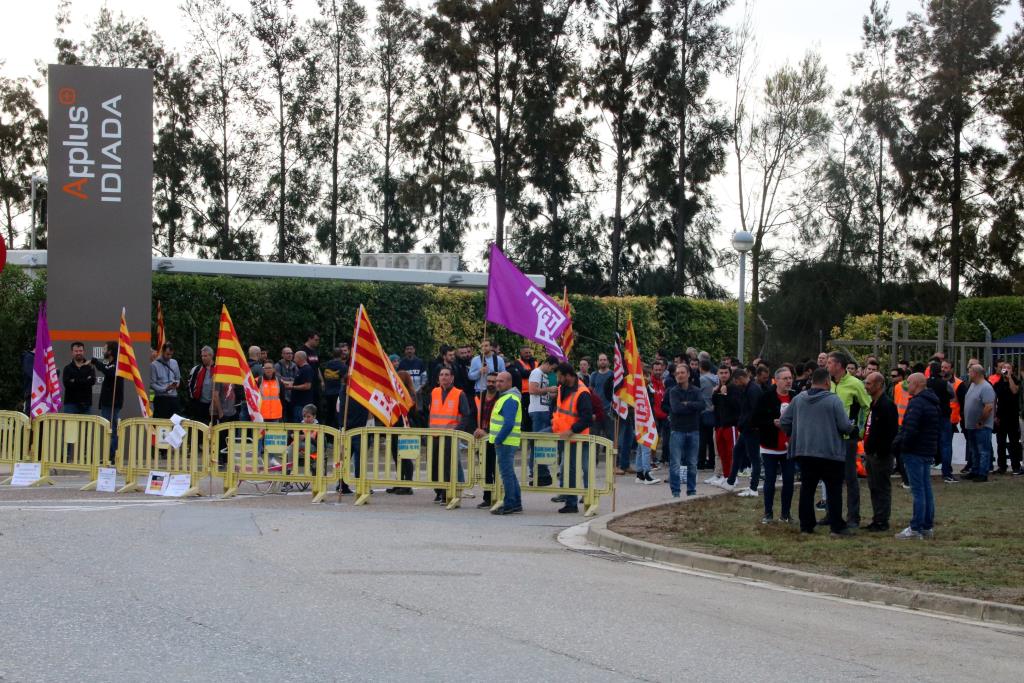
[
  {"x": 783, "y": 438},
  {"x": 658, "y": 387}
]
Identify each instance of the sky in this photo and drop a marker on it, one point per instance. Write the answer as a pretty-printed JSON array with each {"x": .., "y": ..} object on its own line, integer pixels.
[{"x": 785, "y": 30}]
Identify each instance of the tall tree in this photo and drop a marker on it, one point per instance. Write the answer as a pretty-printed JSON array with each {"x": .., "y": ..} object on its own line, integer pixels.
[
  {"x": 615, "y": 81},
  {"x": 22, "y": 149},
  {"x": 489, "y": 44},
  {"x": 690, "y": 128},
  {"x": 120, "y": 41},
  {"x": 440, "y": 187},
  {"x": 792, "y": 123},
  {"x": 946, "y": 57},
  {"x": 393, "y": 59},
  {"x": 231, "y": 146},
  {"x": 276, "y": 28},
  {"x": 336, "y": 113}
]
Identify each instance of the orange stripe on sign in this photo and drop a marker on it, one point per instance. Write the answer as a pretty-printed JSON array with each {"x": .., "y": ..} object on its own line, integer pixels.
[{"x": 97, "y": 336}]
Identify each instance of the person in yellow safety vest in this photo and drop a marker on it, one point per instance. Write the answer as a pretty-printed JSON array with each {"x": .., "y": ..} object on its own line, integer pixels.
[
  {"x": 505, "y": 435},
  {"x": 485, "y": 404},
  {"x": 574, "y": 415},
  {"x": 271, "y": 407},
  {"x": 449, "y": 409}
]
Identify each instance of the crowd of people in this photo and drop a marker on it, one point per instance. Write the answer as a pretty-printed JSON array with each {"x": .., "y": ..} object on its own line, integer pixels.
[{"x": 825, "y": 422}]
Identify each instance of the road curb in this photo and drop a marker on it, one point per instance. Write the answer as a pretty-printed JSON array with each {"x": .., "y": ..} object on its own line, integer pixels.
[{"x": 979, "y": 610}]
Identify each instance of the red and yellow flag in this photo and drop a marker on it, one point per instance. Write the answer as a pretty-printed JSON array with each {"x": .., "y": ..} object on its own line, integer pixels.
[
  {"x": 161, "y": 334},
  {"x": 128, "y": 367},
  {"x": 631, "y": 365},
  {"x": 231, "y": 366},
  {"x": 372, "y": 380},
  {"x": 568, "y": 339},
  {"x": 646, "y": 427}
]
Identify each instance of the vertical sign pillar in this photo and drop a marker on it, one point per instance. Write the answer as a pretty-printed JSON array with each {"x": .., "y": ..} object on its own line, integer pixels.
[{"x": 100, "y": 209}]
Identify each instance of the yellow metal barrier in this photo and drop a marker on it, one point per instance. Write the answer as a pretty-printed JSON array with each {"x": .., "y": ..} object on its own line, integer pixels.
[
  {"x": 377, "y": 455},
  {"x": 142, "y": 446},
  {"x": 71, "y": 442},
  {"x": 274, "y": 452},
  {"x": 15, "y": 442},
  {"x": 582, "y": 466}
]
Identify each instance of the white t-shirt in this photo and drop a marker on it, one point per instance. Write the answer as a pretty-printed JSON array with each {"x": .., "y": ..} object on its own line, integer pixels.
[{"x": 539, "y": 402}]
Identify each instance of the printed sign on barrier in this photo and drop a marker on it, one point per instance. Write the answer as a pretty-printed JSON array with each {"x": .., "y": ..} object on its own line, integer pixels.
[
  {"x": 408, "y": 448},
  {"x": 156, "y": 483},
  {"x": 106, "y": 482},
  {"x": 177, "y": 485},
  {"x": 26, "y": 473},
  {"x": 275, "y": 443},
  {"x": 545, "y": 452}
]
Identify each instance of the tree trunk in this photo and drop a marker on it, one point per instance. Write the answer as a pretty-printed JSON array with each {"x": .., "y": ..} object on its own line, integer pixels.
[
  {"x": 386, "y": 222},
  {"x": 954, "y": 239},
  {"x": 620, "y": 179},
  {"x": 880, "y": 209},
  {"x": 335, "y": 144},
  {"x": 679, "y": 283},
  {"x": 282, "y": 240},
  {"x": 225, "y": 230}
]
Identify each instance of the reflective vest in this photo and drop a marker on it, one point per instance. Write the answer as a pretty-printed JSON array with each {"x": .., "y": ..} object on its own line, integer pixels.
[
  {"x": 901, "y": 397},
  {"x": 954, "y": 405},
  {"x": 444, "y": 414},
  {"x": 527, "y": 368},
  {"x": 270, "y": 399},
  {"x": 567, "y": 411},
  {"x": 497, "y": 421}
]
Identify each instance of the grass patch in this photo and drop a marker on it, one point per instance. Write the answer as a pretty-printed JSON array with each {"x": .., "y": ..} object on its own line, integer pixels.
[{"x": 978, "y": 550}]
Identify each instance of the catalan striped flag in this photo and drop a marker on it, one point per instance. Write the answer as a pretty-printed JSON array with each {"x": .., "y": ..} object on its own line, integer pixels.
[
  {"x": 161, "y": 334},
  {"x": 128, "y": 367},
  {"x": 621, "y": 397},
  {"x": 646, "y": 427},
  {"x": 568, "y": 339},
  {"x": 372, "y": 380},
  {"x": 231, "y": 366}
]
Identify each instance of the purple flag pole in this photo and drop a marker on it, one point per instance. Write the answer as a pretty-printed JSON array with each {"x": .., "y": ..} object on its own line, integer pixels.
[{"x": 514, "y": 302}]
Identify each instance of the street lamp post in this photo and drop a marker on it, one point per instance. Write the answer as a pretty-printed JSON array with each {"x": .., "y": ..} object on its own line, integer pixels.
[
  {"x": 742, "y": 242},
  {"x": 36, "y": 180}
]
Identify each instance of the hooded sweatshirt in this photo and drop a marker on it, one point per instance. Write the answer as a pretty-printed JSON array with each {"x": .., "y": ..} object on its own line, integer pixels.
[{"x": 816, "y": 423}]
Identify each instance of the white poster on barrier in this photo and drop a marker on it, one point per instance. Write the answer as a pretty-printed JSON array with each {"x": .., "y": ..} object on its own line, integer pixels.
[
  {"x": 177, "y": 485},
  {"x": 26, "y": 473},
  {"x": 156, "y": 483},
  {"x": 106, "y": 482}
]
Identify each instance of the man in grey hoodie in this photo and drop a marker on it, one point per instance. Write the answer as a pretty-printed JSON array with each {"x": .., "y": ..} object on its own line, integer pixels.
[{"x": 816, "y": 421}]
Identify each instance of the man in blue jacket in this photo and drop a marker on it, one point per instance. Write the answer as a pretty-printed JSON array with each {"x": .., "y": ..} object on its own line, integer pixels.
[{"x": 918, "y": 441}]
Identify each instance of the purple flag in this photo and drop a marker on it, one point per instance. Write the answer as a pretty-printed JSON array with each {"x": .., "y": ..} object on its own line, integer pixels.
[
  {"x": 45, "y": 395},
  {"x": 519, "y": 305}
]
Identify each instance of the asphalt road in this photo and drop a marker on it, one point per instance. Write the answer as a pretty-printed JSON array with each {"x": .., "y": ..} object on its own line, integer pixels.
[{"x": 98, "y": 587}]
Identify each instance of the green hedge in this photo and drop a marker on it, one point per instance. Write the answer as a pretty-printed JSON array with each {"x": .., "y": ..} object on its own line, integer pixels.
[
  {"x": 276, "y": 312},
  {"x": 1004, "y": 315}
]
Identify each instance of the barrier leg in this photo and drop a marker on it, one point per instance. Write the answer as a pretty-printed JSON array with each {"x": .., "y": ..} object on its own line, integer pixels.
[
  {"x": 363, "y": 492},
  {"x": 91, "y": 486},
  {"x": 129, "y": 487}
]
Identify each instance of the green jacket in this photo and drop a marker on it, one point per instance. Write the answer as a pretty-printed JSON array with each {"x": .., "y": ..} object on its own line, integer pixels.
[{"x": 856, "y": 400}]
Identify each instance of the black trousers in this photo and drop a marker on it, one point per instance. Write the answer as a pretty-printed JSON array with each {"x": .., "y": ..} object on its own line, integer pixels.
[
  {"x": 706, "y": 447},
  {"x": 812, "y": 471},
  {"x": 165, "y": 406},
  {"x": 441, "y": 460},
  {"x": 489, "y": 466},
  {"x": 880, "y": 485},
  {"x": 1008, "y": 442}
]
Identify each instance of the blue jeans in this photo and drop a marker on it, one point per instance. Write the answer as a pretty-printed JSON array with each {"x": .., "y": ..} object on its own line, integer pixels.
[
  {"x": 969, "y": 449},
  {"x": 626, "y": 439},
  {"x": 541, "y": 423},
  {"x": 568, "y": 458},
  {"x": 683, "y": 448},
  {"x": 919, "y": 471},
  {"x": 772, "y": 464},
  {"x": 507, "y": 467},
  {"x": 946, "y": 446},
  {"x": 105, "y": 413},
  {"x": 981, "y": 441},
  {"x": 643, "y": 458}
]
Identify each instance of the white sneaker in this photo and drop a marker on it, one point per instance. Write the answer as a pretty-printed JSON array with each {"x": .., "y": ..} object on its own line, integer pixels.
[
  {"x": 651, "y": 480},
  {"x": 908, "y": 534},
  {"x": 724, "y": 484},
  {"x": 711, "y": 480},
  {"x": 748, "y": 493},
  {"x": 745, "y": 474}
]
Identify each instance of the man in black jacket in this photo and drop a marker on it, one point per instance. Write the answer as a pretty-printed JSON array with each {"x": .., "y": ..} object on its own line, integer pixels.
[
  {"x": 879, "y": 432},
  {"x": 78, "y": 377},
  {"x": 747, "y": 447},
  {"x": 110, "y": 405},
  {"x": 774, "y": 443},
  {"x": 918, "y": 441}
]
